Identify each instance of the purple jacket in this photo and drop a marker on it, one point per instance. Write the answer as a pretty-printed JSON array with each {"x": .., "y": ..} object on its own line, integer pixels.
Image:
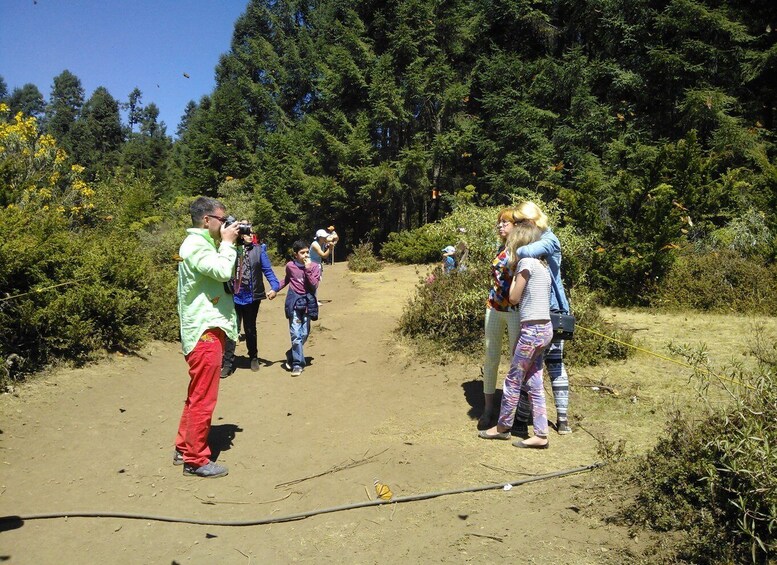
[
  {"x": 300, "y": 279},
  {"x": 302, "y": 283}
]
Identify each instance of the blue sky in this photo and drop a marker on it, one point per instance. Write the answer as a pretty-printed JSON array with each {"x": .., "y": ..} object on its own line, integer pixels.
[{"x": 148, "y": 44}]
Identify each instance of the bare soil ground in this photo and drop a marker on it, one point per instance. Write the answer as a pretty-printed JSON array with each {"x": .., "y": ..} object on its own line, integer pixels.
[{"x": 368, "y": 407}]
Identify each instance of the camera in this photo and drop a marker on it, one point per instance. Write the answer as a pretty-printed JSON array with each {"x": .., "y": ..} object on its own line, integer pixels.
[{"x": 242, "y": 229}]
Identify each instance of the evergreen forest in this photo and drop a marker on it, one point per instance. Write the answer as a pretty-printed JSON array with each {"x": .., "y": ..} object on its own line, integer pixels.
[{"x": 645, "y": 128}]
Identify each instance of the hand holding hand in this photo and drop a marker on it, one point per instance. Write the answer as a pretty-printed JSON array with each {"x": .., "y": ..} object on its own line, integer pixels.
[{"x": 272, "y": 294}]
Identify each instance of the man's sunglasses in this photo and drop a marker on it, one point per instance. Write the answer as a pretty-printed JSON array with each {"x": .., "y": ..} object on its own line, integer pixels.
[{"x": 221, "y": 219}]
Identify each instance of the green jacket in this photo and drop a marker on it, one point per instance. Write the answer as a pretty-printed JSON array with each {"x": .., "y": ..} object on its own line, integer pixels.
[{"x": 203, "y": 303}]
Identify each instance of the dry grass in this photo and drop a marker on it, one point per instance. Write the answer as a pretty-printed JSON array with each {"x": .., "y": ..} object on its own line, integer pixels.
[{"x": 635, "y": 397}]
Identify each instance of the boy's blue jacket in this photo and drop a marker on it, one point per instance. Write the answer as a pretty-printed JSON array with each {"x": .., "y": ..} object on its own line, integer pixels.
[{"x": 307, "y": 303}]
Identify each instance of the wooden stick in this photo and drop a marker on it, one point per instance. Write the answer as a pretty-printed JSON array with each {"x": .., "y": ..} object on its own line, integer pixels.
[{"x": 335, "y": 469}]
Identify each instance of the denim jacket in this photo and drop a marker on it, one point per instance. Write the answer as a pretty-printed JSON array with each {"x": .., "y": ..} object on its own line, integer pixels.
[{"x": 549, "y": 248}]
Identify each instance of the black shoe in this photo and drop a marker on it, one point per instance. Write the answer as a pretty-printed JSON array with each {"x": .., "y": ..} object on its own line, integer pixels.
[
  {"x": 562, "y": 427},
  {"x": 486, "y": 420},
  {"x": 226, "y": 371},
  {"x": 520, "y": 429}
]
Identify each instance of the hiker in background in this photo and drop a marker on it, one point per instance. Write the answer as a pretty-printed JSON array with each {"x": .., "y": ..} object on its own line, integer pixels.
[
  {"x": 461, "y": 256},
  {"x": 500, "y": 314},
  {"x": 333, "y": 239},
  {"x": 548, "y": 248},
  {"x": 530, "y": 289},
  {"x": 448, "y": 259},
  {"x": 322, "y": 247}
]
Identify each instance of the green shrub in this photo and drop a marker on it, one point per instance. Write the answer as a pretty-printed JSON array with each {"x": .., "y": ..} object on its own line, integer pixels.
[
  {"x": 450, "y": 309},
  {"x": 74, "y": 292},
  {"x": 363, "y": 260},
  {"x": 421, "y": 245},
  {"x": 589, "y": 347},
  {"x": 715, "y": 479},
  {"x": 469, "y": 225},
  {"x": 719, "y": 281}
]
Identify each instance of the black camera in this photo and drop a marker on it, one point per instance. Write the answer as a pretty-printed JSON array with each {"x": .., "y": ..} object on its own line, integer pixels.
[{"x": 242, "y": 229}]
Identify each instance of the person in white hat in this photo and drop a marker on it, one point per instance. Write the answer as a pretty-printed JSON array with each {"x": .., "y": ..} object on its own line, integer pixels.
[
  {"x": 322, "y": 247},
  {"x": 448, "y": 259}
]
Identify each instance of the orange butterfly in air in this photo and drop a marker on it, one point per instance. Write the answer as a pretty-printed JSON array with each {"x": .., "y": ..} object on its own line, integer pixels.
[{"x": 383, "y": 491}]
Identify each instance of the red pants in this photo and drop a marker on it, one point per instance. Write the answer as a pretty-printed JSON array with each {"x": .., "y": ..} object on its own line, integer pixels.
[{"x": 204, "y": 373}]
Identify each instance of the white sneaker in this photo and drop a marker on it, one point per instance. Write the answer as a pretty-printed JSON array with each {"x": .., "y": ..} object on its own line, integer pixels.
[
  {"x": 254, "y": 364},
  {"x": 296, "y": 371}
]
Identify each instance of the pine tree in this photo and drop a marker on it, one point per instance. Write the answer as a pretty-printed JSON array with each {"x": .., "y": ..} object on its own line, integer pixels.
[
  {"x": 148, "y": 150},
  {"x": 96, "y": 136},
  {"x": 27, "y": 100},
  {"x": 64, "y": 108}
]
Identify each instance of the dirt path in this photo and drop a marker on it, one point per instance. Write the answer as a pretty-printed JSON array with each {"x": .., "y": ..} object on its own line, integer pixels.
[{"x": 100, "y": 439}]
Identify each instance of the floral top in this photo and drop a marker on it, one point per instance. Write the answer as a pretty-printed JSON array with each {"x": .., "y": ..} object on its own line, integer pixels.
[{"x": 498, "y": 297}]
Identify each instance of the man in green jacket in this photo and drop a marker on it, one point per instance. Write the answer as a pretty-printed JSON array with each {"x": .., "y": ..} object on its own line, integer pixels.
[{"x": 208, "y": 318}]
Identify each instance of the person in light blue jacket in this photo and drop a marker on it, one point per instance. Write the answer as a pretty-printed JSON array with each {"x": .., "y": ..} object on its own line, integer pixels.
[{"x": 548, "y": 248}]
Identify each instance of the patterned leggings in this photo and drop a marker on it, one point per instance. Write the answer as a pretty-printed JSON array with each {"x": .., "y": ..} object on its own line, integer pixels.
[
  {"x": 525, "y": 377},
  {"x": 554, "y": 362}
]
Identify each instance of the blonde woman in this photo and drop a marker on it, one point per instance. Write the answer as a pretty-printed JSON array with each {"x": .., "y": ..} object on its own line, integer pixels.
[
  {"x": 549, "y": 249},
  {"x": 531, "y": 289},
  {"x": 500, "y": 314}
]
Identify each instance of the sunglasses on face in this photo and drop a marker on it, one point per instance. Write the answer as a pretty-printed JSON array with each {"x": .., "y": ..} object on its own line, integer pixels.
[{"x": 221, "y": 219}]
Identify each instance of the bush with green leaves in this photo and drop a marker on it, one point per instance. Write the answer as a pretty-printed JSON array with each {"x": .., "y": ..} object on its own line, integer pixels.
[
  {"x": 719, "y": 281},
  {"x": 363, "y": 260},
  {"x": 451, "y": 309},
  {"x": 448, "y": 309},
  {"x": 421, "y": 245},
  {"x": 715, "y": 479},
  {"x": 469, "y": 224},
  {"x": 71, "y": 293},
  {"x": 589, "y": 346}
]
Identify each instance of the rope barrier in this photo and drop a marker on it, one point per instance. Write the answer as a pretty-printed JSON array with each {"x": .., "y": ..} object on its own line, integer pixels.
[
  {"x": 18, "y": 520},
  {"x": 654, "y": 354},
  {"x": 38, "y": 290}
]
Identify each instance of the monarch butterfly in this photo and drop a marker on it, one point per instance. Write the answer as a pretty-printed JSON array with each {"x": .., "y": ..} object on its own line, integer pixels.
[{"x": 383, "y": 491}]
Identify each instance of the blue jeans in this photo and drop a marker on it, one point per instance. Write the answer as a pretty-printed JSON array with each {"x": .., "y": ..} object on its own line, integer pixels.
[{"x": 299, "y": 329}]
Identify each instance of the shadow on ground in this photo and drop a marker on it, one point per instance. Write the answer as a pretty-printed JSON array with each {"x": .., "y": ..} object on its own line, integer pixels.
[{"x": 220, "y": 438}]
